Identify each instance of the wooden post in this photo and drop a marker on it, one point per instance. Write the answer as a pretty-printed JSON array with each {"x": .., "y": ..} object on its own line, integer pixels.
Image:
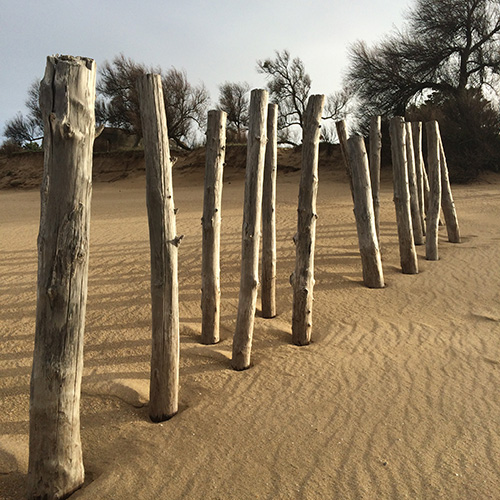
[
  {"x": 341, "y": 127},
  {"x": 418, "y": 234},
  {"x": 252, "y": 215},
  {"x": 408, "y": 256},
  {"x": 164, "y": 380},
  {"x": 211, "y": 223},
  {"x": 433, "y": 208},
  {"x": 416, "y": 129},
  {"x": 268, "y": 289},
  {"x": 303, "y": 278},
  {"x": 448, "y": 205},
  {"x": 67, "y": 97},
  {"x": 374, "y": 163},
  {"x": 373, "y": 276}
]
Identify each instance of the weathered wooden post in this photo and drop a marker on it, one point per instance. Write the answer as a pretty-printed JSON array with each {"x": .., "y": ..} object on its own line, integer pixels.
[
  {"x": 268, "y": 288},
  {"x": 374, "y": 163},
  {"x": 373, "y": 276},
  {"x": 416, "y": 130},
  {"x": 408, "y": 255},
  {"x": 448, "y": 205},
  {"x": 341, "y": 127},
  {"x": 305, "y": 240},
  {"x": 252, "y": 215},
  {"x": 418, "y": 234},
  {"x": 433, "y": 208},
  {"x": 164, "y": 379},
  {"x": 211, "y": 224},
  {"x": 67, "y": 97}
]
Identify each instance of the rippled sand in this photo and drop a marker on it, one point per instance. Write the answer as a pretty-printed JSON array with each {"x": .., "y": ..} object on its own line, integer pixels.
[{"x": 397, "y": 397}]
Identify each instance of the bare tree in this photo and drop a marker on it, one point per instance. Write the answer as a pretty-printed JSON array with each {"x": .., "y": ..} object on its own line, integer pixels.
[
  {"x": 448, "y": 57},
  {"x": 185, "y": 104},
  {"x": 234, "y": 100},
  {"x": 289, "y": 87},
  {"x": 21, "y": 130},
  {"x": 27, "y": 129},
  {"x": 446, "y": 46},
  {"x": 119, "y": 101}
]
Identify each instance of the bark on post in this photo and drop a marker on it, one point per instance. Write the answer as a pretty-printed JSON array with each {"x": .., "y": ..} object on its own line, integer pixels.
[
  {"x": 341, "y": 127},
  {"x": 164, "y": 379},
  {"x": 268, "y": 289},
  {"x": 416, "y": 130},
  {"x": 305, "y": 240},
  {"x": 252, "y": 216},
  {"x": 211, "y": 223},
  {"x": 418, "y": 234},
  {"x": 373, "y": 276},
  {"x": 407, "y": 253},
  {"x": 374, "y": 164},
  {"x": 434, "y": 165},
  {"x": 67, "y": 97},
  {"x": 448, "y": 205}
]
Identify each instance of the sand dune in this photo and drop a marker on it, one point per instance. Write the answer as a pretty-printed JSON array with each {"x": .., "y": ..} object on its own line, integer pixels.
[{"x": 397, "y": 397}]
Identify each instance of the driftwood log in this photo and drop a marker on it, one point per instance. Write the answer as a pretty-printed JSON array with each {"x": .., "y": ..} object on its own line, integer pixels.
[
  {"x": 418, "y": 233},
  {"x": 341, "y": 127},
  {"x": 252, "y": 215},
  {"x": 268, "y": 288},
  {"x": 164, "y": 379},
  {"x": 373, "y": 276},
  {"x": 67, "y": 97},
  {"x": 211, "y": 224},
  {"x": 433, "y": 208},
  {"x": 374, "y": 163},
  {"x": 407, "y": 253},
  {"x": 447, "y": 203},
  {"x": 303, "y": 278},
  {"x": 416, "y": 130}
]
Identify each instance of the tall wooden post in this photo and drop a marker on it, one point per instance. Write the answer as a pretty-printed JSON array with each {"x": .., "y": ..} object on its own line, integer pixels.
[
  {"x": 407, "y": 253},
  {"x": 448, "y": 205},
  {"x": 433, "y": 208},
  {"x": 374, "y": 163},
  {"x": 252, "y": 215},
  {"x": 341, "y": 127},
  {"x": 416, "y": 130},
  {"x": 373, "y": 276},
  {"x": 67, "y": 97},
  {"x": 418, "y": 234},
  {"x": 305, "y": 240},
  {"x": 211, "y": 224},
  {"x": 164, "y": 380},
  {"x": 268, "y": 289}
]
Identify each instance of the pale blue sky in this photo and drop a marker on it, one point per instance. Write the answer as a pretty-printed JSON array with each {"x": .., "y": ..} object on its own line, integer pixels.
[{"x": 214, "y": 41}]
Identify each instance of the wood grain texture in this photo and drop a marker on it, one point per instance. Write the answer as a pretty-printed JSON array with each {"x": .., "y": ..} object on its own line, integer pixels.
[
  {"x": 67, "y": 97},
  {"x": 164, "y": 378},
  {"x": 447, "y": 203},
  {"x": 418, "y": 234},
  {"x": 268, "y": 288},
  {"x": 407, "y": 253},
  {"x": 374, "y": 165},
  {"x": 433, "y": 208},
  {"x": 373, "y": 276},
  {"x": 305, "y": 239},
  {"x": 211, "y": 224},
  {"x": 252, "y": 218}
]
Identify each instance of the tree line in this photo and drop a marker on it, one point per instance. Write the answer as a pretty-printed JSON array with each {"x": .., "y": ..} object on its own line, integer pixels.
[
  {"x": 186, "y": 105},
  {"x": 444, "y": 63}
]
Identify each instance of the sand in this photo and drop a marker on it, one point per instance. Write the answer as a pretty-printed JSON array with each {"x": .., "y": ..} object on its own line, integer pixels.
[{"x": 397, "y": 396}]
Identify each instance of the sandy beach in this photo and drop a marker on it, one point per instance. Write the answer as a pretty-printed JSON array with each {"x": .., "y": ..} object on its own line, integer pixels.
[{"x": 397, "y": 396}]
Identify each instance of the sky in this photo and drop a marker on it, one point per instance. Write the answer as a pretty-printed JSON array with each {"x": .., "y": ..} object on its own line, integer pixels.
[{"x": 213, "y": 41}]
